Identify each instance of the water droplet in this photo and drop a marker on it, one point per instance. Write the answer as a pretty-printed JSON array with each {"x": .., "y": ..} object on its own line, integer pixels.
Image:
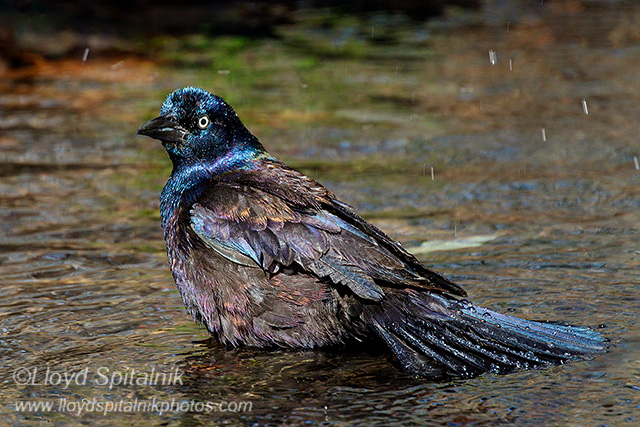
[
  {"x": 493, "y": 57},
  {"x": 584, "y": 106},
  {"x": 467, "y": 305}
]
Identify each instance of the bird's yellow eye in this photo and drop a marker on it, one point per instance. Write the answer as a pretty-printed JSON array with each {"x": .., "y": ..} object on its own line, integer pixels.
[{"x": 203, "y": 122}]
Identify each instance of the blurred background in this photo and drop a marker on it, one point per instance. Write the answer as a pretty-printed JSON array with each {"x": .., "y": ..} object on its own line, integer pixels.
[{"x": 498, "y": 140}]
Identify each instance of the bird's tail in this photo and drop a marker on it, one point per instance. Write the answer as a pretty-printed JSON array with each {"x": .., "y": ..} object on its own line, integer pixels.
[{"x": 438, "y": 336}]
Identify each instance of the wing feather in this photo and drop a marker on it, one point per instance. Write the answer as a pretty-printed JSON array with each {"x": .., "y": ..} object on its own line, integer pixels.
[{"x": 253, "y": 227}]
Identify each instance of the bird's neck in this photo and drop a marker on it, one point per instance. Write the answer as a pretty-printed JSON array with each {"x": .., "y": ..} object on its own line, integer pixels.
[{"x": 189, "y": 178}]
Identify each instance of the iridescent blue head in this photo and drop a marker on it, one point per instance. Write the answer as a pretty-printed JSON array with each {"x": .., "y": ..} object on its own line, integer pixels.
[{"x": 196, "y": 126}]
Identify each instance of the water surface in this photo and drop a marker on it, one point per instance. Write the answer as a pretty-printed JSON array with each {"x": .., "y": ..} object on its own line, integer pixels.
[{"x": 85, "y": 285}]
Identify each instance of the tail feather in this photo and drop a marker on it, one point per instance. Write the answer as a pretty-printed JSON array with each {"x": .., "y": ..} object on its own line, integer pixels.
[
  {"x": 440, "y": 336},
  {"x": 571, "y": 339}
]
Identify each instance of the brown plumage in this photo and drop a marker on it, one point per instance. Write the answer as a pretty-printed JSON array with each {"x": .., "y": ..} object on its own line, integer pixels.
[{"x": 265, "y": 256}]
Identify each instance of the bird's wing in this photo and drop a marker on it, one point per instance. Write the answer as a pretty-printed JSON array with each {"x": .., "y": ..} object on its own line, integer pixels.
[{"x": 253, "y": 227}]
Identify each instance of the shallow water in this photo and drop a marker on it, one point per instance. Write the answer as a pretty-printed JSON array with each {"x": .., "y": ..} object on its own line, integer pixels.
[{"x": 85, "y": 285}]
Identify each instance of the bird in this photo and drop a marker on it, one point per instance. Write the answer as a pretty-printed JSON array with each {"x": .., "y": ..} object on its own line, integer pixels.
[{"x": 264, "y": 256}]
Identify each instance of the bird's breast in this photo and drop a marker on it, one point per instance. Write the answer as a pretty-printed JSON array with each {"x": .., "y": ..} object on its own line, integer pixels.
[{"x": 247, "y": 305}]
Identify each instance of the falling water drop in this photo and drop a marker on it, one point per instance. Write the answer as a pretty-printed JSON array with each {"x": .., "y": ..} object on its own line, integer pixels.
[
  {"x": 635, "y": 162},
  {"x": 544, "y": 135},
  {"x": 584, "y": 106},
  {"x": 85, "y": 55},
  {"x": 493, "y": 57}
]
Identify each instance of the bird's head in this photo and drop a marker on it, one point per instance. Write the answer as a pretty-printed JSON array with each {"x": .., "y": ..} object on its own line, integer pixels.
[{"x": 196, "y": 126}]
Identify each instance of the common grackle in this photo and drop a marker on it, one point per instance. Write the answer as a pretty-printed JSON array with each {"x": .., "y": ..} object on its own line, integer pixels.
[{"x": 265, "y": 256}]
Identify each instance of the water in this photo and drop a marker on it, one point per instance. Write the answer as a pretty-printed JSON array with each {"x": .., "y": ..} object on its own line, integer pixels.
[{"x": 549, "y": 227}]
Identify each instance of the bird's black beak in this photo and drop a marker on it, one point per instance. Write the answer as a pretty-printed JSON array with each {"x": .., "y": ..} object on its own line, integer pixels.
[{"x": 164, "y": 128}]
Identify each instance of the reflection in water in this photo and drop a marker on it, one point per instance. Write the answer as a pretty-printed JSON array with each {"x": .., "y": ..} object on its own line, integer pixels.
[{"x": 84, "y": 278}]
